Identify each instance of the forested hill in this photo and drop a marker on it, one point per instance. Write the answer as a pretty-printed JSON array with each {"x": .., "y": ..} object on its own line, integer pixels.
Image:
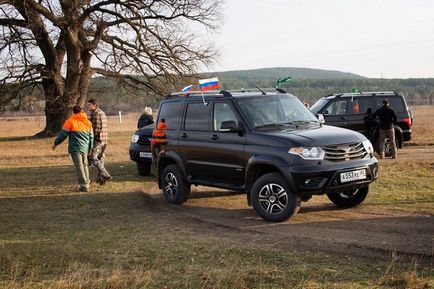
[
  {"x": 278, "y": 72},
  {"x": 308, "y": 84},
  {"x": 311, "y": 84}
]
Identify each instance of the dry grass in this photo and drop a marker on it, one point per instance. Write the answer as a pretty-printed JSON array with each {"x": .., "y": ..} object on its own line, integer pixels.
[
  {"x": 423, "y": 125},
  {"x": 53, "y": 237}
]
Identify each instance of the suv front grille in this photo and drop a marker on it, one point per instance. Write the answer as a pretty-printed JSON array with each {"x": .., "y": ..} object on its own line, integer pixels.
[
  {"x": 345, "y": 152},
  {"x": 143, "y": 140}
]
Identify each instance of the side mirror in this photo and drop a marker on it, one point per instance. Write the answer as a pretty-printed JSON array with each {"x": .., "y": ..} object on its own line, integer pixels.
[
  {"x": 325, "y": 112},
  {"x": 228, "y": 126},
  {"x": 320, "y": 118}
]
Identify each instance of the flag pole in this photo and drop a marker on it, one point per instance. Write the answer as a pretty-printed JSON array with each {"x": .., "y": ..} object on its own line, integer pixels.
[{"x": 203, "y": 98}]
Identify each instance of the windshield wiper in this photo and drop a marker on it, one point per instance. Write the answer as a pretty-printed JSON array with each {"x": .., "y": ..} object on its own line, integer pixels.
[
  {"x": 280, "y": 124},
  {"x": 270, "y": 125},
  {"x": 305, "y": 121}
]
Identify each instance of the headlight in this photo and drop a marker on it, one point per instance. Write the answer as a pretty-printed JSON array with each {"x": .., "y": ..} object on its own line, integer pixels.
[
  {"x": 369, "y": 149},
  {"x": 135, "y": 138},
  {"x": 308, "y": 153}
]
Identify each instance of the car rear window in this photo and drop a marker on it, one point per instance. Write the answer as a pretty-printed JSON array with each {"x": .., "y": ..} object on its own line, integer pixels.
[
  {"x": 171, "y": 112},
  {"x": 197, "y": 117},
  {"x": 360, "y": 105},
  {"x": 395, "y": 102}
]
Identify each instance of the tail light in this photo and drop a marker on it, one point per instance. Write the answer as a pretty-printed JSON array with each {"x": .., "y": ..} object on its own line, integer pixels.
[{"x": 407, "y": 120}]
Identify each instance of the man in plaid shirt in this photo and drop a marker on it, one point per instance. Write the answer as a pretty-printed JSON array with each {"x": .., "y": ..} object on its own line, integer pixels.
[{"x": 100, "y": 137}]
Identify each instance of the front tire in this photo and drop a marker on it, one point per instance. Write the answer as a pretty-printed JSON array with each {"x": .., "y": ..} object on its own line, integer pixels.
[
  {"x": 176, "y": 188},
  {"x": 272, "y": 198},
  {"x": 349, "y": 199}
]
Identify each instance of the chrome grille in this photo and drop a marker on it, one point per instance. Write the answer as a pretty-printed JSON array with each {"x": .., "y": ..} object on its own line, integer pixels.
[{"x": 344, "y": 152}]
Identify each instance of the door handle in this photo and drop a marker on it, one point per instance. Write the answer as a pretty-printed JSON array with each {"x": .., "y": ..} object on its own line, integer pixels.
[
  {"x": 184, "y": 135},
  {"x": 214, "y": 137},
  {"x": 344, "y": 118}
]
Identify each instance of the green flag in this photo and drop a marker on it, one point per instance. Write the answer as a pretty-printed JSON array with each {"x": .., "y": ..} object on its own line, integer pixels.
[
  {"x": 355, "y": 90},
  {"x": 282, "y": 80}
]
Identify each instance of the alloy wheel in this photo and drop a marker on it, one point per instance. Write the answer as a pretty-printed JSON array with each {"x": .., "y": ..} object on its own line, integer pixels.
[
  {"x": 171, "y": 186},
  {"x": 273, "y": 198}
]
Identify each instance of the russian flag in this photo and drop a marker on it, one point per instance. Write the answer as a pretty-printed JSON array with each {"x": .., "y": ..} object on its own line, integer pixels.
[
  {"x": 187, "y": 88},
  {"x": 208, "y": 84}
]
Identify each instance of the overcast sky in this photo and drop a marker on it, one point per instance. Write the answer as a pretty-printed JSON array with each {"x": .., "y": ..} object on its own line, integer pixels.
[{"x": 373, "y": 38}]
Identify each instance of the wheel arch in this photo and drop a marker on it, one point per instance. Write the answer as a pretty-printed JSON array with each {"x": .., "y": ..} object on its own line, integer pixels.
[
  {"x": 260, "y": 165},
  {"x": 167, "y": 159}
]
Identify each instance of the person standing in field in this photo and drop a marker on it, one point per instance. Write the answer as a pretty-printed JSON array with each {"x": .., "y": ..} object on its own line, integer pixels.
[
  {"x": 387, "y": 119},
  {"x": 79, "y": 130},
  {"x": 100, "y": 133},
  {"x": 145, "y": 118}
]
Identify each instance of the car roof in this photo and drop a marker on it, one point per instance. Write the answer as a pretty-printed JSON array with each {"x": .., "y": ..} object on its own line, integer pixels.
[
  {"x": 353, "y": 94},
  {"x": 228, "y": 94}
]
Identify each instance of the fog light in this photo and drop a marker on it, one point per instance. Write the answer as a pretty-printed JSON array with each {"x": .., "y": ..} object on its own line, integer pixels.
[
  {"x": 308, "y": 181},
  {"x": 375, "y": 172}
]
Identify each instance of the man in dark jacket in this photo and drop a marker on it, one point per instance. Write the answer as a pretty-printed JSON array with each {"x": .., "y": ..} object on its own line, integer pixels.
[
  {"x": 100, "y": 134},
  {"x": 387, "y": 119},
  {"x": 79, "y": 130}
]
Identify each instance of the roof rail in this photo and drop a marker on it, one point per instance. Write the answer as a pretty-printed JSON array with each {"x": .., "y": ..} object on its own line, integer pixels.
[
  {"x": 222, "y": 93},
  {"x": 193, "y": 93}
]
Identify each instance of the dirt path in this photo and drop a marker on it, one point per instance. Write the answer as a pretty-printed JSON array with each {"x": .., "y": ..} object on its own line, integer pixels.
[
  {"x": 370, "y": 230},
  {"x": 417, "y": 153}
]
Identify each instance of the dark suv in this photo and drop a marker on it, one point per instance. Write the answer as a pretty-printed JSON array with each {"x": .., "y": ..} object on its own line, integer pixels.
[
  {"x": 140, "y": 149},
  {"x": 267, "y": 144},
  {"x": 351, "y": 110}
]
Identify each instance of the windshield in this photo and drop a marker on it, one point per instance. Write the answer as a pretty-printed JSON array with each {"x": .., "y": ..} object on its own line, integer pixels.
[
  {"x": 318, "y": 105},
  {"x": 275, "y": 111}
]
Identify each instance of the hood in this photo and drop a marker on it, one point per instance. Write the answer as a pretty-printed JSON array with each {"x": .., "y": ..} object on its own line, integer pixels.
[
  {"x": 146, "y": 130},
  {"x": 320, "y": 136}
]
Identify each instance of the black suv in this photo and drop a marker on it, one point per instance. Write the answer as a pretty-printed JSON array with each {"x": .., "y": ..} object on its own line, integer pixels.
[
  {"x": 140, "y": 149},
  {"x": 264, "y": 143},
  {"x": 351, "y": 110}
]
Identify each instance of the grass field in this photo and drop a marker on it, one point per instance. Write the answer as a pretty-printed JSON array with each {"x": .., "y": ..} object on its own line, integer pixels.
[{"x": 53, "y": 237}]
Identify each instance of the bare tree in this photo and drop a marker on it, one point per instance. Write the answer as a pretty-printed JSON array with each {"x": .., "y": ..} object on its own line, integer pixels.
[{"x": 58, "y": 45}]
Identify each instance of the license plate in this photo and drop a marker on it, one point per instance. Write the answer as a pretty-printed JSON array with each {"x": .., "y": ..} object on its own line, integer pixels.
[
  {"x": 353, "y": 176},
  {"x": 145, "y": 155}
]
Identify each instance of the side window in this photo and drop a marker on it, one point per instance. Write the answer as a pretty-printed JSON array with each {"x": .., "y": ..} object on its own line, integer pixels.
[
  {"x": 395, "y": 102},
  {"x": 222, "y": 112},
  {"x": 171, "y": 112},
  {"x": 197, "y": 117},
  {"x": 338, "y": 107},
  {"x": 360, "y": 105}
]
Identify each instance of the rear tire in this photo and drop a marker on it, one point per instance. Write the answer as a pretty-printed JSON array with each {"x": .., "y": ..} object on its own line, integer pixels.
[
  {"x": 272, "y": 198},
  {"x": 349, "y": 199},
  {"x": 143, "y": 169},
  {"x": 388, "y": 151},
  {"x": 175, "y": 187}
]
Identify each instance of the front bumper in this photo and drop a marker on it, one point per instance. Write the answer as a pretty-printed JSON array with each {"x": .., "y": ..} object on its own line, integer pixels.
[
  {"x": 325, "y": 178},
  {"x": 136, "y": 149}
]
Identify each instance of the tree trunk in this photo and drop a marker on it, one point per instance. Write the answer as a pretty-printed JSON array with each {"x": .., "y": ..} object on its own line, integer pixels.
[
  {"x": 54, "y": 123},
  {"x": 86, "y": 74},
  {"x": 56, "y": 108}
]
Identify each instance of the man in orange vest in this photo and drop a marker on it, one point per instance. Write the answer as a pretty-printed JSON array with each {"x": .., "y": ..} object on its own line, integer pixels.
[{"x": 79, "y": 130}]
